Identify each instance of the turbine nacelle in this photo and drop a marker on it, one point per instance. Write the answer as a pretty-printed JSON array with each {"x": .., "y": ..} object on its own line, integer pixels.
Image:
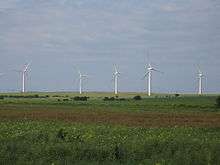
[
  {"x": 82, "y": 76},
  {"x": 201, "y": 75},
  {"x": 116, "y": 73},
  {"x": 150, "y": 69},
  {"x": 26, "y": 66}
]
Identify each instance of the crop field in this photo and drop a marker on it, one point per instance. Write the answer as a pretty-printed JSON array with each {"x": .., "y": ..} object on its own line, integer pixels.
[{"x": 99, "y": 128}]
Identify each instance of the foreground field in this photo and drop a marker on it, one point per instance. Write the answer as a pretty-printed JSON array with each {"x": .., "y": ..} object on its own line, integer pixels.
[
  {"x": 63, "y": 143},
  {"x": 55, "y": 128}
]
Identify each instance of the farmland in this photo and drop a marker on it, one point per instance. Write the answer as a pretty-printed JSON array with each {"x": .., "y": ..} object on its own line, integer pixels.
[{"x": 56, "y": 128}]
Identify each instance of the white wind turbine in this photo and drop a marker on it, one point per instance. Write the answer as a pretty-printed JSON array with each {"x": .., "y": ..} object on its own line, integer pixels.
[
  {"x": 115, "y": 77},
  {"x": 81, "y": 77},
  {"x": 24, "y": 74},
  {"x": 150, "y": 69},
  {"x": 201, "y": 75}
]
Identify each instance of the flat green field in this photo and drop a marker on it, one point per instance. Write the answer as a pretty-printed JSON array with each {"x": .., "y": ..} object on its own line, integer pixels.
[{"x": 58, "y": 128}]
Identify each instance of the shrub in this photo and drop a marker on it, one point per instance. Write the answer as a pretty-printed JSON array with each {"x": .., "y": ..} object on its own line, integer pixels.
[
  {"x": 61, "y": 134},
  {"x": 78, "y": 98},
  {"x": 105, "y": 98},
  {"x": 218, "y": 102},
  {"x": 119, "y": 152},
  {"x": 177, "y": 95},
  {"x": 109, "y": 99},
  {"x": 56, "y": 96},
  {"x": 137, "y": 97},
  {"x": 65, "y": 99},
  {"x": 1, "y": 97},
  {"x": 36, "y": 96}
]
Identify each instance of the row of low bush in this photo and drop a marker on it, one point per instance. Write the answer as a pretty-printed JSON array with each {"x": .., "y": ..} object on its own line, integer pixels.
[
  {"x": 113, "y": 99},
  {"x": 85, "y": 98},
  {"x": 121, "y": 99},
  {"x": 82, "y": 98},
  {"x": 77, "y": 98},
  {"x": 23, "y": 96}
]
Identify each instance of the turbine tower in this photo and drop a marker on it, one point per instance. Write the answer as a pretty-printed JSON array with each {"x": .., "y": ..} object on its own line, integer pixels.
[
  {"x": 200, "y": 74},
  {"x": 115, "y": 76},
  {"x": 81, "y": 77},
  {"x": 150, "y": 69}
]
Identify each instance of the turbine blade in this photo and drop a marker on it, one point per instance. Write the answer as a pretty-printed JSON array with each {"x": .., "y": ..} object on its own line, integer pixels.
[
  {"x": 199, "y": 70},
  {"x": 157, "y": 71},
  {"x": 115, "y": 67},
  {"x": 79, "y": 72}
]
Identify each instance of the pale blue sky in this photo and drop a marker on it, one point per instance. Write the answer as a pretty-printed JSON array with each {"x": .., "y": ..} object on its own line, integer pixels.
[{"x": 57, "y": 35}]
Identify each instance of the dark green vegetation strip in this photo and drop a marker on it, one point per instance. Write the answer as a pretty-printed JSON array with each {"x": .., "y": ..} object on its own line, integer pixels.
[
  {"x": 62, "y": 143},
  {"x": 159, "y": 104}
]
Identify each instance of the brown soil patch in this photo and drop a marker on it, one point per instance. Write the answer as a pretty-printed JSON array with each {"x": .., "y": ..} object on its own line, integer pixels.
[{"x": 140, "y": 119}]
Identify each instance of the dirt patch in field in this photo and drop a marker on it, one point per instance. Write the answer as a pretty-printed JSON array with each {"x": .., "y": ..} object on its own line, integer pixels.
[{"x": 140, "y": 119}]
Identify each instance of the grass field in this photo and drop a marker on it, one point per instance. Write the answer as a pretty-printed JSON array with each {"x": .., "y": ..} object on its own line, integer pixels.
[{"x": 54, "y": 128}]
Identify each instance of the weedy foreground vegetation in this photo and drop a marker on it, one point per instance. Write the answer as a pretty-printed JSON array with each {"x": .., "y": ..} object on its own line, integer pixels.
[{"x": 98, "y": 128}]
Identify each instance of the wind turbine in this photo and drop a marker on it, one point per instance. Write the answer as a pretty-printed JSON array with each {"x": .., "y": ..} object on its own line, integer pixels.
[
  {"x": 24, "y": 73},
  {"x": 150, "y": 69},
  {"x": 201, "y": 75},
  {"x": 115, "y": 76},
  {"x": 81, "y": 77}
]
